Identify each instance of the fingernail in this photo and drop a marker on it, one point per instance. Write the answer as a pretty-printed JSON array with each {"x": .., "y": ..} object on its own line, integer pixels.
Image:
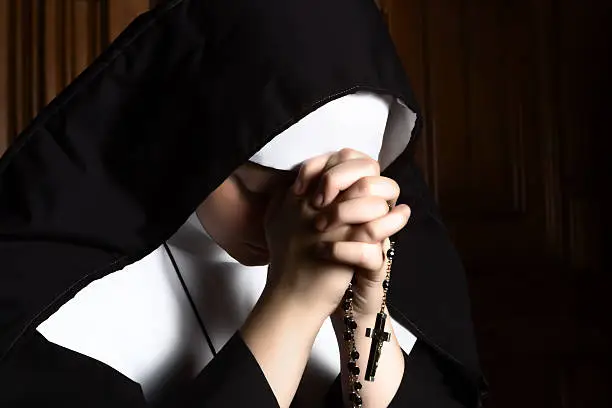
[
  {"x": 297, "y": 187},
  {"x": 319, "y": 200}
]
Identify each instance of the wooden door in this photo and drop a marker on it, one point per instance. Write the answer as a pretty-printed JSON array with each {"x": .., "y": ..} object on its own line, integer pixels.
[
  {"x": 45, "y": 44},
  {"x": 512, "y": 93}
]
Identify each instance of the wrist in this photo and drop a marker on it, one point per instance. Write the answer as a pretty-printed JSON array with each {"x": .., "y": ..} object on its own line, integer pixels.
[
  {"x": 280, "y": 333},
  {"x": 294, "y": 311},
  {"x": 317, "y": 305},
  {"x": 391, "y": 364}
]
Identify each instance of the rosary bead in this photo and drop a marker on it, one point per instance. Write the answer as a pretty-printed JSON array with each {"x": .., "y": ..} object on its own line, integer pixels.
[
  {"x": 350, "y": 323},
  {"x": 355, "y": 355},
  {"x": 355, "y": 398},
  {"x": 385, "y": 284},
  {"x": 348, "y": 294},
  {"x": 357, "y": 386},
  {"x": 390, "y": 254}
]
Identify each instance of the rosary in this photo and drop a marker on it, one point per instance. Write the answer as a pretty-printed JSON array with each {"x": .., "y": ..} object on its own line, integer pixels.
[{"x": 377, "y": 334}]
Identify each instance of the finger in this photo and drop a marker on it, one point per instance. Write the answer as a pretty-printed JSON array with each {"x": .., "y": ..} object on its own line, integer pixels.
[
  {"x": 344, "y": 155},
  {"x": 381, "y": 228},
  {"x": 358, "y": 254},
  {"x": 341, "y": 177},
  {"x": 309, "y": 170},
  {"x": 378, "y": 186},
  {"x": 315, "y": 167},
  {"x": 356, "y": 211},
  {"x": 374, "y": 277}
]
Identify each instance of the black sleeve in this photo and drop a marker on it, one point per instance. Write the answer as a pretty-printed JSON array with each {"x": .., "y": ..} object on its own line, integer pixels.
[
  {"x": 232, "y": 379},
  {"x": 40, "y": 373},
  {"x": 424, "y": 385}
]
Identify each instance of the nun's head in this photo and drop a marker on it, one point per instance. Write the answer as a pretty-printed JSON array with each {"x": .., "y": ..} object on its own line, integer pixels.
[{"x": 234, "y": 213}]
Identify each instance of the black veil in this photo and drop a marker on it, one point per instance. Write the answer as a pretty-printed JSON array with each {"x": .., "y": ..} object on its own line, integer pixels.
[{"x": 120, "y": 159}]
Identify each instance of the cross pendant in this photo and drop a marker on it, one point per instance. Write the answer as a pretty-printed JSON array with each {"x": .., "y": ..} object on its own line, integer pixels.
[{"x": 379, "y": 336}]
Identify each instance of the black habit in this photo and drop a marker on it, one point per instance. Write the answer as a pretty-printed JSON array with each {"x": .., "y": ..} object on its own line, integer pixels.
[{"x": 119, "y": 160}]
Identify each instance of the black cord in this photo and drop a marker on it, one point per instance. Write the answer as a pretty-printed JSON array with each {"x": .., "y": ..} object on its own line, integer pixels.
[{"x": 191, "y": 302}]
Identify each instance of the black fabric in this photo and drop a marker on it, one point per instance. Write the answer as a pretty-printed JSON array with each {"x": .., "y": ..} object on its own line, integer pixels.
[
  {"x": 232, "y": 379},
  {"x": 116, "y": 164},
  {"x": 40, "y": 373},
  {"x": 424, "y": 384}
]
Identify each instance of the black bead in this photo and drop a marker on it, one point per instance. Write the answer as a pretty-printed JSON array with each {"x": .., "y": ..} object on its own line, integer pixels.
[
  {"x": 357, "y": 386},
  {"x": 385, "y": 284},
  {"x": 354, "y": 370},
  {"x": 358, "y": 401},
  {"x": 348, "y": 335},
  {"x": 355, "y": 355},
  {"x": 390, "y": 254},
  {"x": 352, "y": 396},
  {"x": 346, "y": 305},
  {"x": 348, "y": 294}
]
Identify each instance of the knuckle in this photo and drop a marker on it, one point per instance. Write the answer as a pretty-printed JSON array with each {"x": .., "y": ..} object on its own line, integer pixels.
[
  {"x": 307, "y": 167},
  {"x": 364, "y": 254},
  {"x": 373, "y": 165},
  {"x": 326, "y": 181},
  {"x": 375, "y": 259},
  {"x": 363, "y": 187},
  {"x": 382, "y": 205},
  {"x": 347, "y": 154},
  {"x": 369, "y": 233},
  {"x": 395, "y": 186}
]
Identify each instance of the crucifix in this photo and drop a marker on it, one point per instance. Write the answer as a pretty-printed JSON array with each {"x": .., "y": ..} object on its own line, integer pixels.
[{"x": 379, "y": 336}]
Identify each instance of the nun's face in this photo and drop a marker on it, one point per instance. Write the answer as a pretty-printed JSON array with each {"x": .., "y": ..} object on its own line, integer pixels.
[{"x": 234, "y": 213}]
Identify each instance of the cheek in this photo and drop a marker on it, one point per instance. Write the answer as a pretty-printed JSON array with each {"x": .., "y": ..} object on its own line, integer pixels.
[{"x": 230, "y": 217}]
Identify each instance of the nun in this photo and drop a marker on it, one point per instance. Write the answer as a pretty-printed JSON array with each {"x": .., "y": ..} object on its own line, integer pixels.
[{"x": 149, "y": 216}]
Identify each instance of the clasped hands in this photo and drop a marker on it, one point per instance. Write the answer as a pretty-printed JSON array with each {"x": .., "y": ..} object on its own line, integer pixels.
[{"x": 332, "y": 223}]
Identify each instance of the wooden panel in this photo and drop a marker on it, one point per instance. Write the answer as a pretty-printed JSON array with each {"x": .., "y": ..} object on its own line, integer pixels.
[
  {"x": 73, "y": 37},
  {"x": 485, "y": 99},
  {"x": 514, "y": 102},
  {"x": 447, "y": 105},
  {"x": 45, "y": 44},
  {"x": 4, "y": 75},
  {"x": 406, "y": 19},
  {"x": 122, "y": 12}
]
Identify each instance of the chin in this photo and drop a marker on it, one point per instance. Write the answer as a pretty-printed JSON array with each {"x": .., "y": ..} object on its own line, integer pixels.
[
  {"x": 252, "y": 258},
  {"x": 254, "y": 262}
]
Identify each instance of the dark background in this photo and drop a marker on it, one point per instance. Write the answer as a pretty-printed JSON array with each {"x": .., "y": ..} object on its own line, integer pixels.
[{"x": 516, "y": 95}]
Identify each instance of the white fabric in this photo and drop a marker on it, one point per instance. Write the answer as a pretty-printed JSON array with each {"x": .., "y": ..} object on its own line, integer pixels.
[
  {"x": 139, "y": 320},
  {"x": 359, "y": 121}
]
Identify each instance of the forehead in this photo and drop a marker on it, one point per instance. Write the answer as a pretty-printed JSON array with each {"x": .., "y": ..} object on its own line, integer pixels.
[
  {"x": 258, "y": 177},
  {"x": 257, "y": 170}
]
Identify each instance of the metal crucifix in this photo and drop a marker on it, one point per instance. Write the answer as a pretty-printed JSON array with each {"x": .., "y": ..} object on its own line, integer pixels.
[{"x": 379, "y": 336}]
